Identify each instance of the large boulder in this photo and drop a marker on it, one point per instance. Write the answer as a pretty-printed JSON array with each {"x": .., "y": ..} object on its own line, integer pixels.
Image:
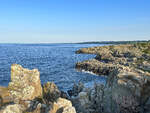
[
  {"x": 123, "y": 92},
  {"x": 127, "y": 91},
  {"x": 25, "y": 84}
]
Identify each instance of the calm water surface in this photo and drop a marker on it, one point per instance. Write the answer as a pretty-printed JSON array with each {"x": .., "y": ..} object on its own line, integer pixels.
[{"x": 56, "y": 62}]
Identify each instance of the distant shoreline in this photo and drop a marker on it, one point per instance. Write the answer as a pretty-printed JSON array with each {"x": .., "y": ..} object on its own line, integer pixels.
[
  {"x": 90, "y": 42},
  {"x": 114, "y": 42}
]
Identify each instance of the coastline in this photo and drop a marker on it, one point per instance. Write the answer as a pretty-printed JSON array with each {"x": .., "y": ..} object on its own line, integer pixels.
[
  {"x": 127, "y": 68},
  {"x": 126, "y": 90}
]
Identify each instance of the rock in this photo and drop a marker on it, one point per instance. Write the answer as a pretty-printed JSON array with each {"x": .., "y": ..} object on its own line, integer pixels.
[
  {"x": 96, "y": 67},
  {"x": 1, "y": 101},
  {"x": 66, "y": 105},
  {"x": 145, "y": 66},
  {"x": 14, "y": 108},
  {"x": 55, "y": 108},
  {"x": 62, "y": 106},
  {"x": 25, "y": 84},
  {"x": 64, "y": 95},
  {"x": 50, "y": 92},
  {"x": 89, "y": 100},
  {"x": 124, "y": 91},
  {"x": 62, "y": 103},
  {"x": 35, "y": 106},
  {"x": 31, "y": 106},
  {"x": 69, "y": 110},
  {"x": 128, "y": 79},
  {"x": 5, "y": 96},
  {"x": 77, "y": 88},
  {"x": 84, "y": 98},
  {"x": 38, "y": 109},
  {"x": 25, "y": 94}
]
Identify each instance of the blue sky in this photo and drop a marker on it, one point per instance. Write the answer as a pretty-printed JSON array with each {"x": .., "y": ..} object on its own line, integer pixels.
[{"x": 56, "y": 21}]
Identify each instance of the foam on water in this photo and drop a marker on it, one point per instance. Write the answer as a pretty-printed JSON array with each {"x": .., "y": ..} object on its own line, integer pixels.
[{"x": 88, "y": 72}]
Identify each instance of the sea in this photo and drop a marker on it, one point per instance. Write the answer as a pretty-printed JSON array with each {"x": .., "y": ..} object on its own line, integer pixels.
[{"x": 56, "y": 63}]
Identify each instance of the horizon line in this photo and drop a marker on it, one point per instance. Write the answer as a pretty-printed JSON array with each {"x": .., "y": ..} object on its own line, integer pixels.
[{"x": 73, "y": 42}]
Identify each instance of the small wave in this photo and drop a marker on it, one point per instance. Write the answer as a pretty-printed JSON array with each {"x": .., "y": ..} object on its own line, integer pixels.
[{"x": 90, "y": 72}]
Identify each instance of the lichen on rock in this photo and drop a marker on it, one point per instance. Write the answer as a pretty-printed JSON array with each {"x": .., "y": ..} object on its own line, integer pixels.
[{"x": 25, "y": 84}]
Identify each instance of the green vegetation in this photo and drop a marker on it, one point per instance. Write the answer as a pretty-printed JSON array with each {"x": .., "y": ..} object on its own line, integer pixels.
[
  {"x": 144, "y": 47},
  {"x": 115, "y": 42}
]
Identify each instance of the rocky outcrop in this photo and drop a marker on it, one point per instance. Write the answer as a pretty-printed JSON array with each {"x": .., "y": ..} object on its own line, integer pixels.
[
  {"x": 25, "y": 84},
  {"x": 96, "y": 67},
  {"x": 128, "y": 78},
  {"x": 25, "y": 94}
]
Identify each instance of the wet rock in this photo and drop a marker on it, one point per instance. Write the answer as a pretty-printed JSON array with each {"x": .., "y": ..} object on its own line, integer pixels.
[{"x": 25, "y": 84}]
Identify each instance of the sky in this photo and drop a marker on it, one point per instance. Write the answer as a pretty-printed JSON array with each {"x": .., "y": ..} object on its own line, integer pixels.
[{"x": 65, "y": 21}]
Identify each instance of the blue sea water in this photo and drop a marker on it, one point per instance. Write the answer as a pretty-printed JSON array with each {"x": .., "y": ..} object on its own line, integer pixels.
[{"x": 56, "y": 63}]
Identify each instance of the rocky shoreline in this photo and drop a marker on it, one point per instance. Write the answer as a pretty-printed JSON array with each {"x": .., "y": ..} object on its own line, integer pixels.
[
  {"x": 25, "y": 94},
  {"x": 127, "y": 90},
  {"x": 127, "y": 68}
]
